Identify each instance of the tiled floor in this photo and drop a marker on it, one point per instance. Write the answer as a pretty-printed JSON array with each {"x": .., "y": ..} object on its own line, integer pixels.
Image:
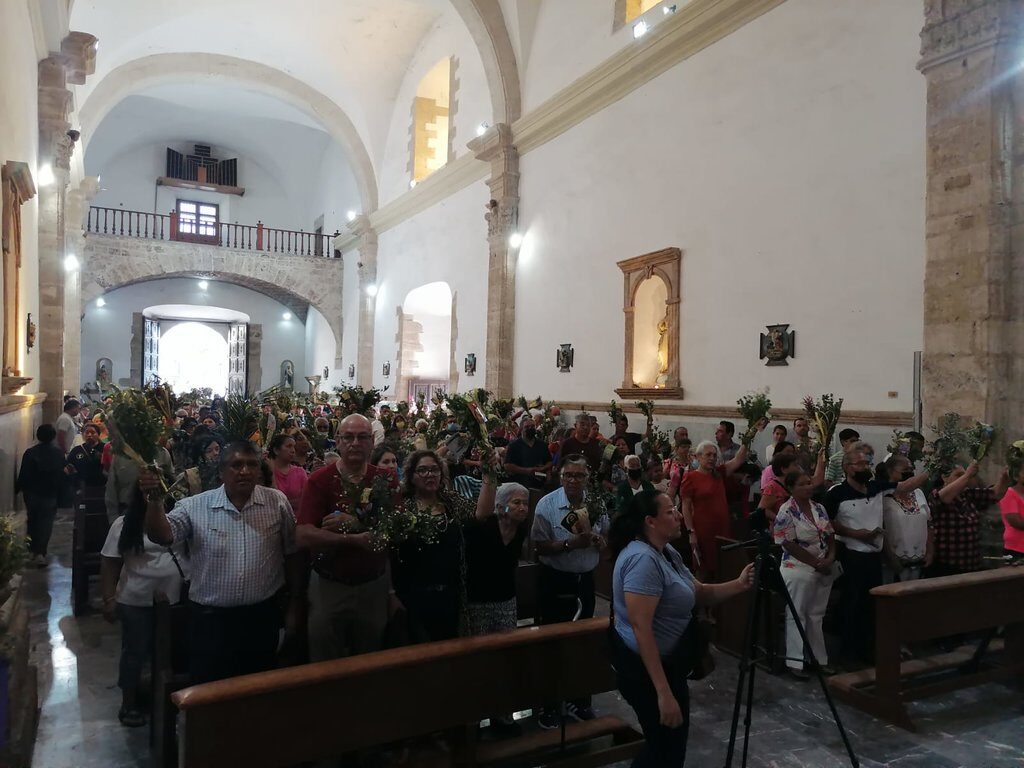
[{"x": 77, "y": 662}]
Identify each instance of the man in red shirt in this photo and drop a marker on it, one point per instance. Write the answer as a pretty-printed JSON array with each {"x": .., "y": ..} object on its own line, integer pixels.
[
  {"x": 350, "y": 587},
  {"x": 581, "y": 442}
]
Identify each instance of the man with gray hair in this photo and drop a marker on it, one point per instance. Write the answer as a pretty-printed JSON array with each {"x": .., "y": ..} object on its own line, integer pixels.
[{"x": 568, "y": 538}]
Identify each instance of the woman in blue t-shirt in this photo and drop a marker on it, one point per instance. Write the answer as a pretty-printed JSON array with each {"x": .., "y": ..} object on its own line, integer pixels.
[{"x": 654, "y": 595}]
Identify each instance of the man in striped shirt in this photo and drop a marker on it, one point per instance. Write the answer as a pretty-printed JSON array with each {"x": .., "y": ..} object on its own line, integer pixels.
[{"x": 241, "y": 538}]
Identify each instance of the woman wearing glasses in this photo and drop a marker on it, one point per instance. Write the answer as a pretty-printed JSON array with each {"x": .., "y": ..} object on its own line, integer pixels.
[{"x": 428, "y": 570}]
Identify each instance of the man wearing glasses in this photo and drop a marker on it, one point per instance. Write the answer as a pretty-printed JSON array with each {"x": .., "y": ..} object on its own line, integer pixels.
[
  {"x": 568, "y": 545},
  {"x": 350, "y": 587}
]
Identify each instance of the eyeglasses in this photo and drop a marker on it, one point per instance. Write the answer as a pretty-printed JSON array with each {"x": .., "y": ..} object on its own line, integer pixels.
[
  {"x": 428, "y": 471},
  {"x": 362, "y": 437}
]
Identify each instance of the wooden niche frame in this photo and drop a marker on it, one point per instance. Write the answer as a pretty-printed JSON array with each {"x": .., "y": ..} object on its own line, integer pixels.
[
  {"x": 666, "y": 265},
  {"x": 18, "y": 188}
]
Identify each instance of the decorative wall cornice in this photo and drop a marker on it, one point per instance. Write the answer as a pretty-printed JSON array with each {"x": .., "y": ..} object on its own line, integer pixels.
[
  {"x": 693, "y": 28},
  {"x": 954, "y": 28},
  {"x": 782, "y": 415}
]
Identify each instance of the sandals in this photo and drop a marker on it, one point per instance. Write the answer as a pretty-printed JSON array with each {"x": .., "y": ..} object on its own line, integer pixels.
[{"x": 131, "y": 718}]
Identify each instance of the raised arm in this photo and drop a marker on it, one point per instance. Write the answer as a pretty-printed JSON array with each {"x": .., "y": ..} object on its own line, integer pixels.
[
  {"x": 157, "y": 526},
  {"x": 950, "y": 491}
]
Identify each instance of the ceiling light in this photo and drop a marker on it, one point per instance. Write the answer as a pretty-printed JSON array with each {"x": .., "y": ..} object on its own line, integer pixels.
[
  {"x": 46, "y": 177},
  {"x": 482, "y": 129},
  {"x": 287, "y": 315},
  {"x": 203, "y": 285},
  {"x": 639, "y": 29},
  {"x": 101, "y": 302},
  {"x": 412, "y": 184},
  {"x": 515, "y": 240},
  {"x": 371, "y": 289},
  {"x": 71, "y": 262},
  {"x": 351, "y": 215}
]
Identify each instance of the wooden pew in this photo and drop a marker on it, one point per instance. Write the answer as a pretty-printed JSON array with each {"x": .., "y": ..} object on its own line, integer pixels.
[
  {"x": 169, "y": 674},
  {"x": 319, "y": 711},
  {"x": 88, "y": 536},
  {"x": 914, "y": 611}
]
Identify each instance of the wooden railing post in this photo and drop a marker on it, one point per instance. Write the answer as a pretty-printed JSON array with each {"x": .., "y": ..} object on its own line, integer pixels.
[
  {"x": 259, "y": 235},
  {"x": 173, "y": 235}
]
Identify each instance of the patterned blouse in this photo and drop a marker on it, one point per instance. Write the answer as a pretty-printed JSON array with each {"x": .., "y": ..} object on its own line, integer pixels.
[
  {"x": 957, "y": 528},
  {"x": 809, "y": 531}
]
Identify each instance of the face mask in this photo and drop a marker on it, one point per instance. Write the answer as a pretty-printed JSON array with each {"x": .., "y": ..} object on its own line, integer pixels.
[
  {"x": 862, "y": 477},
  {"x": 530, "y": 432},
  {"x": 634, "y": 474}
]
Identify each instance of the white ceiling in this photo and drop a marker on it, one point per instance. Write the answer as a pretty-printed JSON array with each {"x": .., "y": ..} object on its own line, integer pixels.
[
  {"x": 232, "y": 102},
  {"x": 195, "y": 312},
  {"x": 355, "y": 52}
]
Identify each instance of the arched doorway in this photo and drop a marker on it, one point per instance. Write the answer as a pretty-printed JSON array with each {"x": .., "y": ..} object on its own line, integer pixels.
[
  {"x": 194, "y": 355},
  {"x": 426, "y": 342}
]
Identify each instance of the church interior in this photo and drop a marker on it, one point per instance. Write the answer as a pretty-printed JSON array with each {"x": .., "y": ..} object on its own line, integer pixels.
[{"x": 481, "y": 237}]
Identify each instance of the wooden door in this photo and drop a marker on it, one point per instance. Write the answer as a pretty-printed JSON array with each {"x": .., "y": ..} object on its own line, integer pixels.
[
  {"x": 238, "y": 341},
  {"x": 150, "y": 352}
]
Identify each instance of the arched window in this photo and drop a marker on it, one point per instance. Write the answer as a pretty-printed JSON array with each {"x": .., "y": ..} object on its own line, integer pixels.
[
  {"x": 637, "y": 8},
  {"x": 431, "y": 116}
]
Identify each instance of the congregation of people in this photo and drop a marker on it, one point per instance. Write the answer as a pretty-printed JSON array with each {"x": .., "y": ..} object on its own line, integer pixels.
[{"x": 273, "y": 549}]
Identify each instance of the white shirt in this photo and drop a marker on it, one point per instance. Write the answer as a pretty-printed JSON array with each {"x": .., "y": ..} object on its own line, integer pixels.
[
  {"x": 906, "y": 526},
  {"x": 67, "y": 431},
  {"x": 378, "y": 432},
  {"x": 146, "y": 573}
]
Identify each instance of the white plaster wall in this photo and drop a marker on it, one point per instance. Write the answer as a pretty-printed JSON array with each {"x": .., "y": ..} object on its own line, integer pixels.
[
  {"x": 447, "y": 242},
  {"x": 19, "y": 141},
  {"x": 471, "y": 102},
  {"x": 107, "y": 330},
  {"x": 320, "y": 351},
  {"x": 335, "y": 190},
  {"x": 350, "y": 315},
  {"x": 787, "y": 162}
]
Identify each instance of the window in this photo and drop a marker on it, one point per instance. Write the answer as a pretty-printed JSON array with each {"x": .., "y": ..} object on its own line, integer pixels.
[
  {"x": 198, "y": 221},
  {"x": 430, "y": 115},
  {"x": 637, "y": 8}
]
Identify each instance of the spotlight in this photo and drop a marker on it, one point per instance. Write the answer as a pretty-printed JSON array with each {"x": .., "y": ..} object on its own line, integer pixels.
[
  {"x": 46, "y": 177},
  {"x": 71, "y": 262},
  {"x": 101, "y": 302},
  {"x": 371, "y": 289},
  {"x": 639, "y": 29},
  {"x": 287, "y": 316},
  {"x": 482, "y": 129},
  {"x": 351, "y": 215},
  {"x": 669, "y": 9},
  {"x": 412, "y": 184},
  {"x": 515, "y": 240},
  {"x": 203, "y": 285}
]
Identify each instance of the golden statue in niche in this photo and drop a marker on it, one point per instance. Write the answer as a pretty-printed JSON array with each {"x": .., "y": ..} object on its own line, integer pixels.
[{"x": 662, "y": 379}]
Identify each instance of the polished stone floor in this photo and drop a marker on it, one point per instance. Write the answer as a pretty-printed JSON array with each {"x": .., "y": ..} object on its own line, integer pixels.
[{"x": 78, "y": 728}]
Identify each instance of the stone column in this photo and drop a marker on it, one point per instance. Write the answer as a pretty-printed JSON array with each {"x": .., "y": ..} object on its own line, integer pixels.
[
  {"x": 496, "y": 148},
  {"x": 367, "y": 265},
  {"x": 76, "y": 60},
  {"x": 973, "y": 292},
  {"x": 74, "y": 242}
]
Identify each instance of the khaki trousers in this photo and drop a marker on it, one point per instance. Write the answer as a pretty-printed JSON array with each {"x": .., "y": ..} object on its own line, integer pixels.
[{"x": 346, "y": 620}]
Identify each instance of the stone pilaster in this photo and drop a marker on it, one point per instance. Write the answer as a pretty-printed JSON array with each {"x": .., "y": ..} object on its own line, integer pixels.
[
  {"x": 74, "y": 241},
  {"x": 56, "y": 145},
  {"x": 496, "y": 148},
  {"x": 367, "y": 266},
  {"x": 973, "y": 294}
]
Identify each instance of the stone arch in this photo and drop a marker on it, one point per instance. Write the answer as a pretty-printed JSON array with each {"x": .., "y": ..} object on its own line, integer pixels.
[
  {"x": 162, "y": 68},
  {"x": 486, "y": 24},
  {"x": 298, "y": 282}
]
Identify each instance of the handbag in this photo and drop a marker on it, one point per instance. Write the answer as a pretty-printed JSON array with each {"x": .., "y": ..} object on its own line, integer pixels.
[{"x": 185, "y": 583}]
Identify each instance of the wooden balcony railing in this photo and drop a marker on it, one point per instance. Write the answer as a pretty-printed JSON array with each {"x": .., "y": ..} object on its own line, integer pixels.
[{"x": 245, "y": 237}]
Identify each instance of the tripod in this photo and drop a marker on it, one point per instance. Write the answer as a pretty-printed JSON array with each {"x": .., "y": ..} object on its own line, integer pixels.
[{"x": 766, "y": 578}]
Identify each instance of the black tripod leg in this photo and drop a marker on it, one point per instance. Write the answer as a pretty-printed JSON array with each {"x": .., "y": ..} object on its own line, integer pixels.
[
  {"x": 750, "y": 706},
  {"x": 817, "y": 671},
  {"x": 746, "y": 664}
]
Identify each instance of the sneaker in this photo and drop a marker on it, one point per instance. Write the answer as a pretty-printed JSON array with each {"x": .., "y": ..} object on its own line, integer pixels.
[
  {"x": 799, "y": 673},
  {"x": 581, "y": 713},
  {"x": 549, "y": 720}
]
